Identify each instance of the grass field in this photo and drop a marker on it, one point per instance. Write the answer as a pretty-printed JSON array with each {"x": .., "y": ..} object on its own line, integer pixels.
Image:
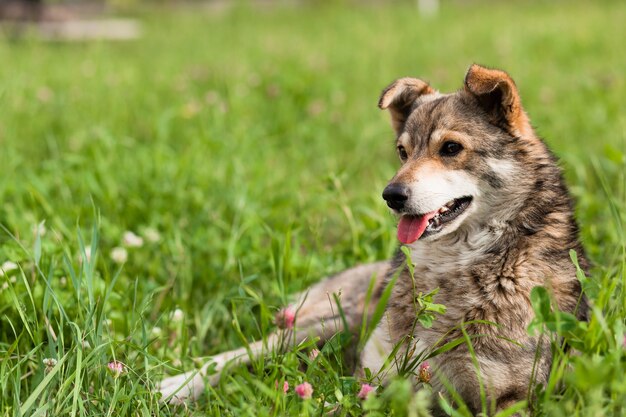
[{"x": 246, "y": 149}]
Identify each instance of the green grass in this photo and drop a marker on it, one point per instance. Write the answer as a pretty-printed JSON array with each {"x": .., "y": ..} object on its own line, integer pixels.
[{"x": 250, "y": 140}]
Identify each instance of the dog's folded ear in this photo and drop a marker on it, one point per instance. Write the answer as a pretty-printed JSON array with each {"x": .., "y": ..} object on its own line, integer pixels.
[
  {"x": 400, "y": 97},
  {"x": 497, "y": 94}
]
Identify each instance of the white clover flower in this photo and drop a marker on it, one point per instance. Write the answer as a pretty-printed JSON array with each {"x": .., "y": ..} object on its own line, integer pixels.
[
  {"x": 131, "y": 240},
  {"x": 7, "y": 267},
  {"x": 39, "y": 229},
  {"x": 152, "y": 235},
  {"x": 156, "y": 331},
  {"x": 86, "y": 255},
  {"x": 119, "y": 255},
  {"x": 178, "y": 315},
  {"x": 49, "y": 363}
]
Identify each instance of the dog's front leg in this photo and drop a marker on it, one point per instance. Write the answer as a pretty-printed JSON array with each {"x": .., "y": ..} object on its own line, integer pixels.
[
  {"x": 189, "y": 385},
  {"x": 317, "y": 317}
]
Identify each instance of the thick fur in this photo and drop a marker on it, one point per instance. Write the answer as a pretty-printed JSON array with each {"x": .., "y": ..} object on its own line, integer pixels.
[{"x": 515, "y": 235}]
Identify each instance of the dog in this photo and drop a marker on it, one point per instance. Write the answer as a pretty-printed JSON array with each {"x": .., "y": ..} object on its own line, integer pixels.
[{"x": 486, "y": 216}]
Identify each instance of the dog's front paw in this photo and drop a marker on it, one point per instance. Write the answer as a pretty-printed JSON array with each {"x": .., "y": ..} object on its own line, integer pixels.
[{"x": 182, "y": 388}]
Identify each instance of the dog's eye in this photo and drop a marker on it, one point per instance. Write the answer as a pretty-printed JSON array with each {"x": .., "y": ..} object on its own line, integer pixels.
[
  {"x": 450, "y": 148},
  {"x": 402, "y": 153}
]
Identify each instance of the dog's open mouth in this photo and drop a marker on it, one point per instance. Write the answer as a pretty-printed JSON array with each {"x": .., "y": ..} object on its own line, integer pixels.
[{"x": 413, "y": 227}]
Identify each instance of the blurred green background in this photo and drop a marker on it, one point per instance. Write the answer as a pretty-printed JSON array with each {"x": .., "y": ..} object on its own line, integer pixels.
[{"x": 242, "y": 142}]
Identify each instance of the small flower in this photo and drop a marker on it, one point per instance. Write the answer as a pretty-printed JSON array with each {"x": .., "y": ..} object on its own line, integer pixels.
[
  {"x": 131, "y": 240},
  {"x": 39, "y": 229},
  {"x": 44, "y": 94},
  {"x": 211, "y": 97},
  {"x": 49, "y": 363},
  {"x": 116, "y": 368},
  {"x": 424, "y": 374},
  {"x": 285, "y": 386},
  {"x": 178, "y": 315},
  {"x": 366, "y": 389},
  {"x": 304, "y": 391},
  {"x": 315, "y": 108},
  {"x": 191, "y": 109},
  {"x": 285, "y": 318},
  {"x": 272, "y": 90},
  {"x": 119, "y": 255},
  {"x": 313, "y": 354},
  {"x": 7, "y": 267},
  {"x": 152, "y": 235},
  {"x": 156, "y": 331},
  {"x": 86, "y": 255},
  {"x": 254, "y": 80}
]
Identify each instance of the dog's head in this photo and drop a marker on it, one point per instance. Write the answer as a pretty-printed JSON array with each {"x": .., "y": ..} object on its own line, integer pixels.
[{"x": 459, "y": 151}]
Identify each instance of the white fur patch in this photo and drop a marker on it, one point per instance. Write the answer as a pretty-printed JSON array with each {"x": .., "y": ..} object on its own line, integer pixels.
[
  {"x": 503, "y": 167},
  {"x": 375, "y": 355},
  {"x": 377, "y": 348},
  {"x": 433, "y": 189},
  {"x": 450, "y": 257},
  {"x": 429, "y": 97},
  {"x": 404, "y": 139}
]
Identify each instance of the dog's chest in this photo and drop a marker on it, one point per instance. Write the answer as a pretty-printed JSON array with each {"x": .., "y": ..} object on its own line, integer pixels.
[
  {"x": 472, "y": 284},
  {"x": 437, "y": 260}
]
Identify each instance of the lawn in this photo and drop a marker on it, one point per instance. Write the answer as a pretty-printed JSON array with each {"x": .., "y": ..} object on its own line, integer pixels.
[{"x": 245, "y": 148}]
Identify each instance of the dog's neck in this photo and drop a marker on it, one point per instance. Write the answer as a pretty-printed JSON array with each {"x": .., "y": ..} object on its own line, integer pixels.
[{"x": 455, "y": 251}]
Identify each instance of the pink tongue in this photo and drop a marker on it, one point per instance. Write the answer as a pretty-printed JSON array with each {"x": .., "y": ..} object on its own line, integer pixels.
[{"x": 412, "y": 227}]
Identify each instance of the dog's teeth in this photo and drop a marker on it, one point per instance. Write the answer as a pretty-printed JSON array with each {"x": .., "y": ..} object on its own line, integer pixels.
[{"x": 443, "y": 209}]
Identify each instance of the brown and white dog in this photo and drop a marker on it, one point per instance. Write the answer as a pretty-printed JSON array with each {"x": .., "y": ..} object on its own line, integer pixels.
[{"x": 487, "y": 217}]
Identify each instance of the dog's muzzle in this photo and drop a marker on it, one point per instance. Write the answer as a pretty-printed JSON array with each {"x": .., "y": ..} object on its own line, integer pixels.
[{"x": 396, "y": 195}]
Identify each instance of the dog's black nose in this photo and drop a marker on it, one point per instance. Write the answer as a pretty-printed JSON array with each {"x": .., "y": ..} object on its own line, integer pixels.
[{"x": 396, "y": 195}]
